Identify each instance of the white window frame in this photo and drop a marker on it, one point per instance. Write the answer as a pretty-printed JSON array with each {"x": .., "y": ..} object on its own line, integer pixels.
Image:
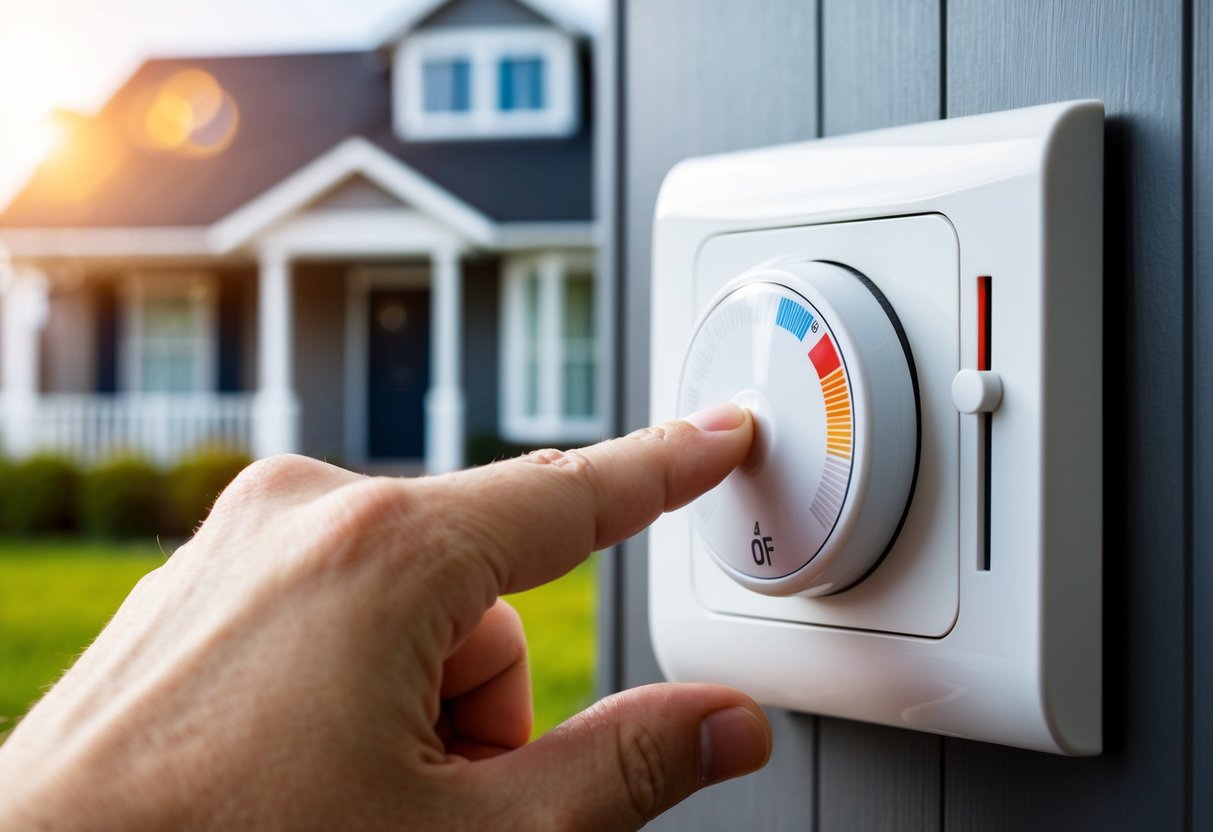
[
  {"x": 484, "y": 48},
  {"x": 549, "y": 424},
  {"x": 201, "y": 288}
]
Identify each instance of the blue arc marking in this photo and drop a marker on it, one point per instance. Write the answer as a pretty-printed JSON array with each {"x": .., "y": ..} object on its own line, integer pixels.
[{"x": 793, "y": 317}]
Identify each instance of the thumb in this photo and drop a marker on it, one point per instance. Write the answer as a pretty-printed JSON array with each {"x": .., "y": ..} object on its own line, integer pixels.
[{"x": 635, "y": 754}]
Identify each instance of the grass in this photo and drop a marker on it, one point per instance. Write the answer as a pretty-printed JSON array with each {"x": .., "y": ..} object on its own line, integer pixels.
[
  {"x": 55, "y": 596},
  {"x": 559, "y": 623}
]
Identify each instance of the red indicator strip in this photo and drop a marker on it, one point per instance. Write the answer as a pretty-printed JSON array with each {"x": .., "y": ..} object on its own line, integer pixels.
[
  {"x": 824, "y": 357},
  {"x": 827, "y": 503},
  {"x": 837, "y": 398},
  {"x": 983, "y": 322}
]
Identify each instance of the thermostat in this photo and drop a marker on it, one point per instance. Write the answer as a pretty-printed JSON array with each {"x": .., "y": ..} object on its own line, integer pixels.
[{"x": 913, "y": 316}]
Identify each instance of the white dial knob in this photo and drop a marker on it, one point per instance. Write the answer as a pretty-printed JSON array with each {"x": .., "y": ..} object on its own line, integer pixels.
[{"x": 815, "y": 351}]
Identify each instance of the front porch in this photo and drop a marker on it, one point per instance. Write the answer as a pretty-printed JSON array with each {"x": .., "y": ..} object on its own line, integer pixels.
[
  {"x": 161, "y": 427},
  {"x": 302, "y": 353},
  {"x": 327, "y": 316}
]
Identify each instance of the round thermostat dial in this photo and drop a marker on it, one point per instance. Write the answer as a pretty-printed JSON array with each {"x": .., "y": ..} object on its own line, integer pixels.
[{"x": 816, "y": 353}]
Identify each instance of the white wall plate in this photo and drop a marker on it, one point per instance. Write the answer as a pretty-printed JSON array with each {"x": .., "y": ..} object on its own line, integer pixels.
[{"x": 915, "y": 317}]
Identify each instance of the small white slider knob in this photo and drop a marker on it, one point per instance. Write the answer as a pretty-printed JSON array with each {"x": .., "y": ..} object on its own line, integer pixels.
[{"x": 976, "y": 391}]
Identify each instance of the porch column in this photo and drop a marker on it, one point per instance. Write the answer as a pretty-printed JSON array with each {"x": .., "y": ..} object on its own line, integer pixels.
[
  {"x": 276, "y": 412},
  {"x": 24, "y": 315},
  {"x": 444, "y": 440}
]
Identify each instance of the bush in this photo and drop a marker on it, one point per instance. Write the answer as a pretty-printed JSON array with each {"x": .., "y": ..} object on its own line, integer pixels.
[
  {"x": 123, "y": 498},
  {"x": 195, "y": 482},
  {"x": 39, "y": 495},
  {"x": 6, "y": 475}
]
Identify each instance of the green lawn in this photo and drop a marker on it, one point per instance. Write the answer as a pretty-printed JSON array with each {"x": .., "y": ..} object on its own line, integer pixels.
[
  {"x": 559, "y": 622},
  {"x": 55, "y": 596}
]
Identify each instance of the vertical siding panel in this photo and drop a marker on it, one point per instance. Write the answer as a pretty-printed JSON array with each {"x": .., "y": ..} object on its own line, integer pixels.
[
  {"x": 876, "y": 778},
  {"x": 702, "y": 77},
  {"x": 1202, "y": 377},
  {"x": 1129, "y": 54},
  {"x": 881, "y": 63},
  {"x": 881, "y": 66}
]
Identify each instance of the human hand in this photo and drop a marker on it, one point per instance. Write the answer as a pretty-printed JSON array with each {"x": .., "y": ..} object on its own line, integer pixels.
[{"x": 329, "y": 651}]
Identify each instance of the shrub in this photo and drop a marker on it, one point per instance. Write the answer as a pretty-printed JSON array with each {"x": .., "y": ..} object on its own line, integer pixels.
[
  {"x": 6, "y": 474},
  {"x": 195, "y": 482},
  {"x": 123, "y": 498},
  {"x": 39, "y": 495}
]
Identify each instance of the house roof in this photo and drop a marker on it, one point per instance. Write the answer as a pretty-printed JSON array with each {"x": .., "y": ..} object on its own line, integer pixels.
[
  {"x": 576, "y": 19},
  {"x": 290, "y": 110}
]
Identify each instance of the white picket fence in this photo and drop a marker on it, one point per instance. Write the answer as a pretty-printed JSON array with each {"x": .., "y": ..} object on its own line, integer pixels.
[{"x": 162, "y": 427}]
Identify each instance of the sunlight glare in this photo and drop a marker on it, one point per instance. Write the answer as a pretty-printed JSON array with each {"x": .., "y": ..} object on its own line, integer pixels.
[{"x": 189, "y": 113}]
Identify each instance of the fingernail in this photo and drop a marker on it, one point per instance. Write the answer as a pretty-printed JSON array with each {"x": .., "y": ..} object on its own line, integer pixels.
[
  {"x": 732, "y": 742},
  {"x": 724, "y": 416}
]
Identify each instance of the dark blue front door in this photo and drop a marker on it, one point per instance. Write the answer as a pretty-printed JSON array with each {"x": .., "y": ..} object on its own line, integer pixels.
[{"x": 399, "y": 373}]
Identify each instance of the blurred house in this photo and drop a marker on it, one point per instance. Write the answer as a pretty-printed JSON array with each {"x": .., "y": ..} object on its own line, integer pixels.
[{"x": 365, "y": 256}]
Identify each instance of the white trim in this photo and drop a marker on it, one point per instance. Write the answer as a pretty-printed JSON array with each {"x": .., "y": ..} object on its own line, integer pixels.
[
  {"x": 484, "y": 47},
  {"x": 571, "y": 19},
  {"x": 533, "y": 235},
  {"x": 200, "y": 242},
  {"x": 172, "y": 241},
  {"x": 276, "y": 409},
  {"x": 549, "y": 424},
  {"x": 353, "y": 156},
  {"x": 24, "y": 309},
  {"x": 361, "y": 232},
  {"x": 201, "y": 288},
  {"x": 359, "y": 282},
  {"x": 444, "y": 404}
]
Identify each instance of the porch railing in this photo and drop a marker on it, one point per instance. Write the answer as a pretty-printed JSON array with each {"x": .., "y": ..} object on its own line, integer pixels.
[{"x": 163, "y": 427}]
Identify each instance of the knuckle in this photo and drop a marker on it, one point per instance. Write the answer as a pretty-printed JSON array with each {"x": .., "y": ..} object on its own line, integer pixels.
[
  {"x": 642, "y": 768},
  {"x": 267, "y": 476},
  {"x": 655, "y": 433},
  {"x": 575, "y": 463},
  {"x": 360, "y": 510}
]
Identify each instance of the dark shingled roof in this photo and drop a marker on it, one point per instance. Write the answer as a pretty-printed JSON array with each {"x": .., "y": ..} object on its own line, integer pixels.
[{"x": 293, "y": 108}]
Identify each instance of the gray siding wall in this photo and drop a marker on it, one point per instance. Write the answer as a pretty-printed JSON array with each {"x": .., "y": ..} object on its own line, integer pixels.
[
  {"x": 481, "y": 345},
  {"x": 319, "y": 357},
  {"x": 67, "y": 343},
  {"x": 697, "y": 76}
]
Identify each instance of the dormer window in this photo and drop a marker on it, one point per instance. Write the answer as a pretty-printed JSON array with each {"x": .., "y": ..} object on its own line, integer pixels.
[
  {"x": 521, "y": 83},
  {"x": 447, "y": 85},
  {"x": 485, "y": 83}
]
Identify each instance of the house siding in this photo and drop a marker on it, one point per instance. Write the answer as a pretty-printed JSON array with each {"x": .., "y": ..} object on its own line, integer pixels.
[
  {"x": 735, "y": 77},
  {"x": 67, "y": 341},
  {"x": 319, "y": 357},
  {"x": 481, "y": 345}
]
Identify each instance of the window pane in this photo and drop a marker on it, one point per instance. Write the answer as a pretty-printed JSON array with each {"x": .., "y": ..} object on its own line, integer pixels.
[
  {"x": 530, "y": 344},
  {"x": 579, "y": 305},
  {"x": 579, "y": 389},
  {"x": 169, "y": 345},
  {"x": 579, "y": 371},
  {"x": 447, "y": 85},
  {"x": 169, "y": 317},
  {"x": 521, "y": 83},
  {"x": 168, "y": 373}
]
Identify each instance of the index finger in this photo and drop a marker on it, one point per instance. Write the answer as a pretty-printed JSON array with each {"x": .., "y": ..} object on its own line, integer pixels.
[{"x": 534, "y": 518}]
